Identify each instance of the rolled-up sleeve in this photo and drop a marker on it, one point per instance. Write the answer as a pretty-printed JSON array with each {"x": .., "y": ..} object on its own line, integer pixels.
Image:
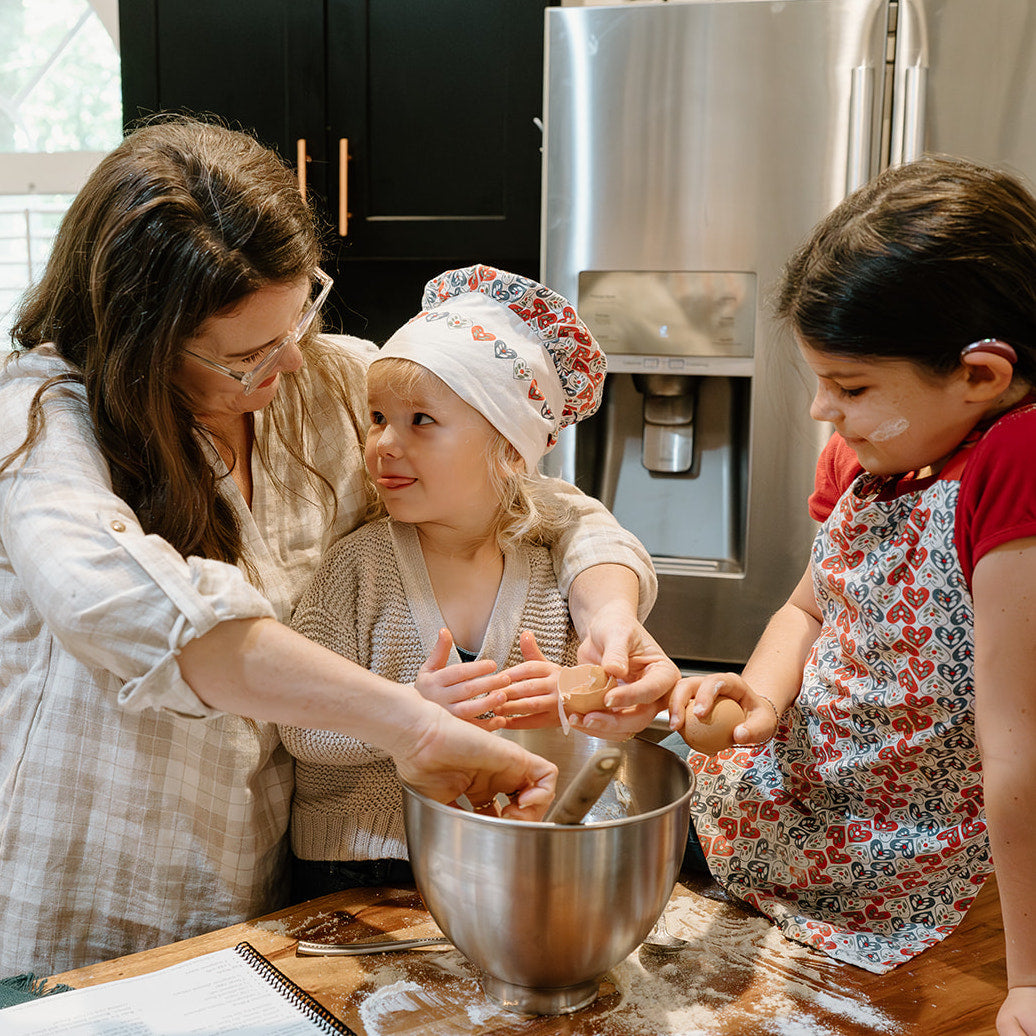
[
  {"x": 594, "y": 537},
  {"x": 77, "y": 560}
]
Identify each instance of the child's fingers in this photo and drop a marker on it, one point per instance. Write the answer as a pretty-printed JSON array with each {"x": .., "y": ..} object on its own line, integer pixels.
[
  {"x": 440, "y": 654},
  {"x": 530, "y": 704},
  {"x": 481, "y": 712},
  {"x": 681, "y": 699},
  {"x": 730, "y": 685},
  {"x": 491, "y": 723},
  {"x": 534, "y": 687},
  {"x": 487, "y": 690},
  {"x": 761, "y": 722},
  {"x": 468, "y": 672},
  {"x": 463, "y": 690},
  {"x": 533, "y": 670},
  {"x": 467, "y": 706},
  {"x": 530, "y": 649}
]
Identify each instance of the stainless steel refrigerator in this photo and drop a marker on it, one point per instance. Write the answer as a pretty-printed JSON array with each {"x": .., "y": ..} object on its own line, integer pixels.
[{"x": 688, "y": 148}]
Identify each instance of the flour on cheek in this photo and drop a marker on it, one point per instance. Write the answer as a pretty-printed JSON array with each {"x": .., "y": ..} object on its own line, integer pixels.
[{"x": 889, "y": 429}]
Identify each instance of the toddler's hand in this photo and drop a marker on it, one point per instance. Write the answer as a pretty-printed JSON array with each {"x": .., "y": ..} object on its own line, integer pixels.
[
  {"x": 469, "y": 690},
  {"x": 532, "y": 695}
]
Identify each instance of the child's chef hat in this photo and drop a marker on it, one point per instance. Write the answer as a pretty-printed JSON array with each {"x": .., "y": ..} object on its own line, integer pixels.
[{"x": 509, "y": 347}]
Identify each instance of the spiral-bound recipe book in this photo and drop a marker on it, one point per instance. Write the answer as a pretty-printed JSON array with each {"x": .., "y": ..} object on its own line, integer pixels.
[{"x": 232, "y": 992}]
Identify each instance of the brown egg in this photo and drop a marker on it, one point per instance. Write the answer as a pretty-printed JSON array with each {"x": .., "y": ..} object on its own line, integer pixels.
[
  {"x": 715, "y": 732},
  {"x": 583, "y": 687}
]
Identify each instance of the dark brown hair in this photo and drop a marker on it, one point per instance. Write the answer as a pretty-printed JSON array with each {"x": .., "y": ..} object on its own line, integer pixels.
[
  {"x": 918, "y": 263},
  {"x": 180, "y": 222}
]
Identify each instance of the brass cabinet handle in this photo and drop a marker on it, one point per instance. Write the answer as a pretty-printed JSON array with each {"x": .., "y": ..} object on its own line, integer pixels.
[
  {"x": 343, "y": 187},
  {"x": 301, "y": 158}
]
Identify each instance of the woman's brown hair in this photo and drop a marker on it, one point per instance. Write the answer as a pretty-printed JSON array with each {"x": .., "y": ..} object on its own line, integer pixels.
[{"x": 179, "y": 223}]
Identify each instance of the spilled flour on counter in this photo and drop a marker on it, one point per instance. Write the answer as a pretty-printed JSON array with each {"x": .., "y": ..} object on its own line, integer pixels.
[
  {"x": 401, "y": 995},
  {"x": 739, "y": 975},
  {"x": 277, "y": 927},
  {"x": 745, "y": 972}
]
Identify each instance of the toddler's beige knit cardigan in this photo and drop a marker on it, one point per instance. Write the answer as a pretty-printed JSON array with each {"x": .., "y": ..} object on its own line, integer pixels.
[{"x": 372, "y": 602}]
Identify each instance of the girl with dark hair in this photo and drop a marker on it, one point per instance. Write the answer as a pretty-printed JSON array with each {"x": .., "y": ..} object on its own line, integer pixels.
[
  {"x": 179, "y": 447},
  {"x": 886, "y": 758}
]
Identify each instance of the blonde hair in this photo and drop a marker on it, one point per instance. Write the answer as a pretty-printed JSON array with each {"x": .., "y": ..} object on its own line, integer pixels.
[{"x": 528, "y": 510}]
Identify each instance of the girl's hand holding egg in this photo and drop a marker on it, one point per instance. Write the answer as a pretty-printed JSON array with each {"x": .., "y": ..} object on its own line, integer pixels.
[
  {"x": 532, "y": 695},
  {"x": 714, "y": 731},
  {"x": 720, "y": 711}
]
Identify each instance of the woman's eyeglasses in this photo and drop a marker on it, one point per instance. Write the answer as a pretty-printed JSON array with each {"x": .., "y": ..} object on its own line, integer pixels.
[{"x": 251, "y": 379}]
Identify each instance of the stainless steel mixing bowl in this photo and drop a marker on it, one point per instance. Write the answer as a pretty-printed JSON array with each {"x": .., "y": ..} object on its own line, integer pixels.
[{"x": 544, "y": 910}]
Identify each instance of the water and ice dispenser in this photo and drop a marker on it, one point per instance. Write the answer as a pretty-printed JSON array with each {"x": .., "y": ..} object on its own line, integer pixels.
[{"x": 668, "y": 450}]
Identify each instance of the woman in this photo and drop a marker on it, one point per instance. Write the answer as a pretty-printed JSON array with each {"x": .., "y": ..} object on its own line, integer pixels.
[{"x": 171, "y": 471}]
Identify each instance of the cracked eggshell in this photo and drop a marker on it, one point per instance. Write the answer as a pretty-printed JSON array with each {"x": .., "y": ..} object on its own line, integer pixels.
[
  {"x": 716, "y": 731},
  {"x": 583, "y": 688}
]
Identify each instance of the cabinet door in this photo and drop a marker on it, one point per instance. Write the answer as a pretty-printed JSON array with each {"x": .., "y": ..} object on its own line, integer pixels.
[
  {"x": 257, "y": 64},
  {"x": 440, "y": 104}
]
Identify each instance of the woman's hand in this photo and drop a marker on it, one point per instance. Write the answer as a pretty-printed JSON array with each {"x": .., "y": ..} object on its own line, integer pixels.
[
  {"x": 1017, "y": 1015},
  {"x": 442, "y": 757},
  {"x": 617, "y": 642},
  {"x": 697, "y": 695},
  {"x": 532, "y": 695},
  {"x": 469, "y": 690}
]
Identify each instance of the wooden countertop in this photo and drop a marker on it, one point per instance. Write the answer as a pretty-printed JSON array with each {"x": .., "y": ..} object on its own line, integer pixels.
[{"x": 739, "y": 977}]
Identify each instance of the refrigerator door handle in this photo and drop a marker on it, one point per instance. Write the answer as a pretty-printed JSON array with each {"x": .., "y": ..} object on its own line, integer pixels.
[
  {"x": 915, "y": 82},
  {"x": 861, "y": 110},
  {"x": 911, "y": 84}
]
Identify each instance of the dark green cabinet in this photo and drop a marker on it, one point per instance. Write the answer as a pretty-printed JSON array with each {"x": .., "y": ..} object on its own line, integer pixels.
[{"x": 418, "y": 123}]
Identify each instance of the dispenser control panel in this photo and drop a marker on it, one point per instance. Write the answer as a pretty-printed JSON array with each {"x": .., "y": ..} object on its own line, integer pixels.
[{"x": 673, "y": 322}]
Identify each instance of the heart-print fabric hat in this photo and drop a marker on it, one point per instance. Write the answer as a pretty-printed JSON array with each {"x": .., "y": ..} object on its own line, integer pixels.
[{"x": 511, "y": 348}]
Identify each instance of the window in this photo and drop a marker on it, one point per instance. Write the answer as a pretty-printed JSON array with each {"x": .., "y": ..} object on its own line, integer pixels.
[{"x": 60, "y": 111}]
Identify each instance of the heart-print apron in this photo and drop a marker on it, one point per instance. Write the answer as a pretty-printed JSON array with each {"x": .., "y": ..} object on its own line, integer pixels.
[{"x": 860, "y": 828}]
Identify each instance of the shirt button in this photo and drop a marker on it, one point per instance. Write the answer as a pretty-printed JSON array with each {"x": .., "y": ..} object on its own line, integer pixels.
[{"x": 118, "y": 526}]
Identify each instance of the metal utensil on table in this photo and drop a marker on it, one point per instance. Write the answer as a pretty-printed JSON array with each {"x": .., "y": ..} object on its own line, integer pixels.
[
  {"x": 660, "y": 940},
  {"x": 585, "y": 788},
  {"x": 361, "y": 946}
]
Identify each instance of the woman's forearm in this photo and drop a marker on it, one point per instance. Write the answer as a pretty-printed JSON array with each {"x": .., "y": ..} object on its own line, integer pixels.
[
  {"x": 262, "y": 669},
  {"x": 614, "y": 585},
  {"x": 592, "y": 538}
]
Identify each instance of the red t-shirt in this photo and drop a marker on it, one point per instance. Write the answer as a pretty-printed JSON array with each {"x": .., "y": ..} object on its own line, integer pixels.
[{"x": 997, "y": 501}]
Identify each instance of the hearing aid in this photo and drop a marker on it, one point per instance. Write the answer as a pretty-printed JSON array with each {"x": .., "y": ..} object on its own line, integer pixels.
[{"x": 991, "y": 345}]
